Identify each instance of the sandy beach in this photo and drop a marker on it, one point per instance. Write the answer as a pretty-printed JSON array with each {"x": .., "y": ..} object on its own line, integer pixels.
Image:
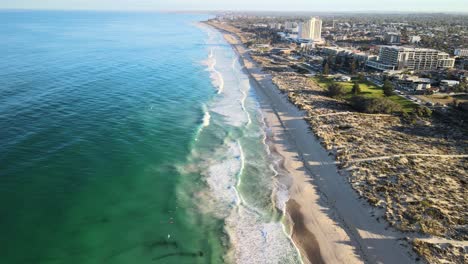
[{"x": 329, "y": 223}]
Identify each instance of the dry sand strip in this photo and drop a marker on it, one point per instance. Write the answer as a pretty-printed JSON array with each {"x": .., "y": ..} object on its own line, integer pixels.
[{"x": 330, "y": 210}]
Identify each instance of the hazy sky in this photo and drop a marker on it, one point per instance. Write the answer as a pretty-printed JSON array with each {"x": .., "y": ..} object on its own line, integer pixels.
[{"x": 267, "y": 5}]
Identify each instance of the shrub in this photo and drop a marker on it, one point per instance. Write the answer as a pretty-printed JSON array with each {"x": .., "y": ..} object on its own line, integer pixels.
[
  {"x": 375, "y": 105},
  {"x": 388, "y": 88},
  {"x": 422, "y": 111},
  {"x": 336, "y": 90},
  {"x": 326, "y": 69},
  {"x": 356, "y": 89}
]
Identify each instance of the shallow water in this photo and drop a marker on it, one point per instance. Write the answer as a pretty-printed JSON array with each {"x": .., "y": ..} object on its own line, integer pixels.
[{"x": 131, "y": 138}]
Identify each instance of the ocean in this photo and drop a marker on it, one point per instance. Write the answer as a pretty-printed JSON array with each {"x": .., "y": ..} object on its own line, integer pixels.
[{"x": 132, "y": 138}]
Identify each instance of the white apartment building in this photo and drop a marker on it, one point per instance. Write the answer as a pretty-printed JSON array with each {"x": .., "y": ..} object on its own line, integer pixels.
[
  {"x": 444, "y": 61},
  {"x": 392, "y": 37},
  {"x": 311, "y": 29},
  {"x": 276, "y": 26},
  {"x": 408, "y": 58},
  {"x": 414, "y": 39},
  {"x": 461, "y": 52},
  {"x": 290, "y": 25}
]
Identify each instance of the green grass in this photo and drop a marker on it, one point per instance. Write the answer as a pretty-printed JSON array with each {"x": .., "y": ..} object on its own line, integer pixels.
[{"x": 369, "y": 90}]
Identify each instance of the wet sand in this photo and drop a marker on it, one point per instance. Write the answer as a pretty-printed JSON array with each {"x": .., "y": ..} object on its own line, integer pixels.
[{"x": 308, "y": 244}]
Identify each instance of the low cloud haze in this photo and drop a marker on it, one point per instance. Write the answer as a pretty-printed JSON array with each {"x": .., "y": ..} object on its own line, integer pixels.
[{"x": 254, "y": 5}]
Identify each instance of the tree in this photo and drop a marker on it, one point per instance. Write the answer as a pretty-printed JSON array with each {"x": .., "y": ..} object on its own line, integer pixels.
[
  {"x": 339, "y": 62},
  {"x": 361, "y": 77},
  {"x": 326, "y": 69},
  {"x": 356, "y": 88},
  {"x": 336, "y": 90},
  {"x": 325, "y": 61},
  {"x": 353, "y": 66},
  {"x": 388, "y": 88},
  {"x": 460, "y": 88},
  {"x": 331, "y": 61}
]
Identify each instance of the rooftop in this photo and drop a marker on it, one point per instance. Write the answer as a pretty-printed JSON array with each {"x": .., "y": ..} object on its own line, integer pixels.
[{"x": 399, "y": 48}]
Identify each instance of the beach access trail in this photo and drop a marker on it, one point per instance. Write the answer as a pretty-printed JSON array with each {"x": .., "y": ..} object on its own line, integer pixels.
[{"x": 330, "y": 224}]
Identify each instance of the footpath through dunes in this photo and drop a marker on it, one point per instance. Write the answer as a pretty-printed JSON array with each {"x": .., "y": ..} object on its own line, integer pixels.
[{"x": 331, "y": 211}]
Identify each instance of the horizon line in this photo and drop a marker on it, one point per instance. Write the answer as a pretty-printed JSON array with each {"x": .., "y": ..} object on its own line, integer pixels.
[{"x": 238, "y": 11}]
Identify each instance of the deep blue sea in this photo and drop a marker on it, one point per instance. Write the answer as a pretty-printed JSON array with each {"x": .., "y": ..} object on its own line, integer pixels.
[{"x": 131, "y": 138}]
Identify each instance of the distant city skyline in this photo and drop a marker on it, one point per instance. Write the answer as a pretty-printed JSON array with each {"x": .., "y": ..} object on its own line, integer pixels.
[{"x": 245, "y": 5}]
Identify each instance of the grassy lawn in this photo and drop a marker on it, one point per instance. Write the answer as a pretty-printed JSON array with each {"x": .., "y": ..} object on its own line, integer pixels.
[{"x": 369, "y": 90}]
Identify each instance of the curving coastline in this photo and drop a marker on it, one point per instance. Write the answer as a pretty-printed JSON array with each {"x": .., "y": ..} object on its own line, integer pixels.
[
  {"x": 328, "y": 222},
  {"x": 236, "y": 163}
]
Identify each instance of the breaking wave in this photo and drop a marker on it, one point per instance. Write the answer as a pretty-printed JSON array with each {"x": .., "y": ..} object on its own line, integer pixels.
[{"x": 240, "y": 171}]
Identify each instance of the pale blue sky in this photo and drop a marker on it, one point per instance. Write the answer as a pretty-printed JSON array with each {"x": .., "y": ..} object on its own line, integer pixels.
[{"x": 271, "y": 5}]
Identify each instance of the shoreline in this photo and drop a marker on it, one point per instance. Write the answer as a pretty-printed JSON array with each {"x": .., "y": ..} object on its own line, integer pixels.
[
  {"x": 253, "y": 233},
  {"x": 329, "y": 224}
]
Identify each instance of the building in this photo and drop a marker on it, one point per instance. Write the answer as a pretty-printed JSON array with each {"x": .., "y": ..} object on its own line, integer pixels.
[
  {"x": 444, "y": 61},
  {"x": 446, "y": 84},
  {"x": 342, "y": 78},
  {"x": 409, "y": 58},
  {"x": 306, "y": 47},
  {"x": 259, "y": 25},
  {"x": 392, "y": 38},
  {"x": 461, "y": 52},
  {"x": 339, "y": 37},
  {"x": 290, "y": 26},
  {"x": 414, "y": 39},
  {"x": 285, "y": 51},
  {"x": 311, "y": 29},
  {"x": 413, "y": 83},
  {"x": 275, "y": 26},
  {"x": 338, "y": 51},
  {"x": 333, "y": 51}
]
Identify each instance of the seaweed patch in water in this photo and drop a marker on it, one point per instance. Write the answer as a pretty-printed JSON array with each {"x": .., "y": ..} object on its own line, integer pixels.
[
  {"x": 161, "y": 243},
  {"x": 181, "y": 254}
]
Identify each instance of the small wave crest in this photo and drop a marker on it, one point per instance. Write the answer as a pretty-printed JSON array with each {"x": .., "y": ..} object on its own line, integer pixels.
[
  {"x": 216, "y": 77},
  {"x": 205, "y": 121},
  {"x": 206, "y": 116}
]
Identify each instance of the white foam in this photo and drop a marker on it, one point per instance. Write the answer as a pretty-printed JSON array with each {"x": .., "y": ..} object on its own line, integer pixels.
[
  {"x": 216, "y": 77},
  {"x": 244, "y": 98},
  {"x": 254, "y": 237},
  {"x": 239, "y": 174},
  {"x": 222, "y": 181},
  {"x": 256, "y": 241},
  {"x": 205, "y": 121},
  {"x": 235, "y": 89},
  {"x": 206, "y": 116}
]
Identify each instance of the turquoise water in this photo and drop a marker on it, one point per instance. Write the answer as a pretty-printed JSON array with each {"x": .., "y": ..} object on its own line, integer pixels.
[{"x": 131, "y": 138}]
